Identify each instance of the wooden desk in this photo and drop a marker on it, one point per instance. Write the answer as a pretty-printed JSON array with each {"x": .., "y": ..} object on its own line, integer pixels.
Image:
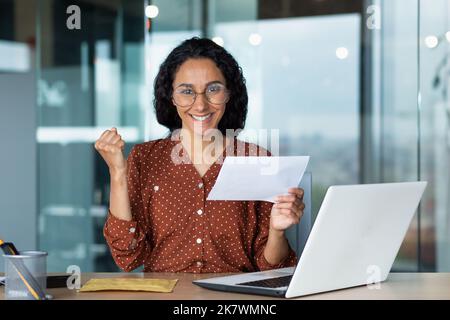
[{"x": 398, "y": 286}]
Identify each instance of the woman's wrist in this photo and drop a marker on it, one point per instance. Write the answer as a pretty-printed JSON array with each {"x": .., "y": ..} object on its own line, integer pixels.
[
  {"x": 278, "y": 234},
  {"x": 118, "y": 174},
  {"x": 277, "y": 247}
]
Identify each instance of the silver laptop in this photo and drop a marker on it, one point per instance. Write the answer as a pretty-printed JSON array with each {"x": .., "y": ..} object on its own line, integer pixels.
[{"x": 354, "y": 241}]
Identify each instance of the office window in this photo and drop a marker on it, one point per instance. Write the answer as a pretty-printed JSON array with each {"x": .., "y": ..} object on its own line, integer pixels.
[{"x": 306, "y": 85}]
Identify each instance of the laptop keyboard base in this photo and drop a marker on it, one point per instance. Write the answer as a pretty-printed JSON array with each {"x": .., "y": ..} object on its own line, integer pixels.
[{"x": 269, "y": 283}]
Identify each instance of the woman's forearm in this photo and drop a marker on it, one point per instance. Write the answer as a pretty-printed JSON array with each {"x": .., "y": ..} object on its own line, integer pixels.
[
  {"x": 277, "y": 248},
  {"x": 119, "y": 203}
]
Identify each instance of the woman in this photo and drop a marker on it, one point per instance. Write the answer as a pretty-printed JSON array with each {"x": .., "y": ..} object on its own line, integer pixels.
[{"x": 159, "y": 216}]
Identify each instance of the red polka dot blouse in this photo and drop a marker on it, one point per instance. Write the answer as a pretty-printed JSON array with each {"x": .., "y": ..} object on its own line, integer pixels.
[{"x": 174, "y": 227}]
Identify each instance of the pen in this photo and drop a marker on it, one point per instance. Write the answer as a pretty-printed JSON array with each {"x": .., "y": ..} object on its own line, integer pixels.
[
  {"x": 9, "y": 246},
  {"x": 24, "y": 274}
]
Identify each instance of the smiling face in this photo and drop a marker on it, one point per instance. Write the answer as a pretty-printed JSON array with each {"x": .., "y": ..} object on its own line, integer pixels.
[{"x": 204, "y": 77}]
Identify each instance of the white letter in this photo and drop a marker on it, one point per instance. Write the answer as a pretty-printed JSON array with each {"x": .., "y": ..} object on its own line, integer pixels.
[
  {"x": 374, "y": 19},
  {"x": 213, "y": 150},
  {"x": 374, "y": 279},
  {"x": 74, "y": 281},
  {"x": 73, "y": 21}
]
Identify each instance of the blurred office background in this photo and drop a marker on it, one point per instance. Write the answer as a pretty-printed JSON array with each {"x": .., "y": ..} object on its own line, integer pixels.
[{"x": 360, "y": 85}]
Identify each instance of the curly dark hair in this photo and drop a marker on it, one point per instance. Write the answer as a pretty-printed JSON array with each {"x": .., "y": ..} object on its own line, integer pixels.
[{"x": 197, "y": 48}]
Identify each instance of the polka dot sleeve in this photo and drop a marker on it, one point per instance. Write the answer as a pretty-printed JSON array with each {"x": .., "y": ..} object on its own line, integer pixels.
[
  {"x": 263, "y": 210},
  {"x": 128, "y": 240}
]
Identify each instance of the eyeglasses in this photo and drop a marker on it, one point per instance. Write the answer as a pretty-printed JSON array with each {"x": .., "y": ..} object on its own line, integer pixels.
[{"x": 215, "y": 93}]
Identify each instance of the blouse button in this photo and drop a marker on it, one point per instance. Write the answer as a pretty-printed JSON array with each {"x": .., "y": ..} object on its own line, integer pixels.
[
  {"x": 132, "y": 230},
  {"x": 199, "y": 240},
  {"x": 199, "y": 212},
  {"x": 199, "y": 263},
  {"x": 156, "y": 188},
  {"x": 200, "y": 185}
]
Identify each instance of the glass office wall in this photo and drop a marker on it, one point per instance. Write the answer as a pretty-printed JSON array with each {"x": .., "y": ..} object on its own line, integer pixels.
[
  {"x": 89, "y": 79},
  {"x": 397, "y": 110},
  {"x": 434, "y": 49},
  {"x": 361, "y": 86},
  {"x": 406, "y": 105}
]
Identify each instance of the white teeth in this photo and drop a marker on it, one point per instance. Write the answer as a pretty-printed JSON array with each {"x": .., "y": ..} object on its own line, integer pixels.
[{"x": 201, "y": 118}]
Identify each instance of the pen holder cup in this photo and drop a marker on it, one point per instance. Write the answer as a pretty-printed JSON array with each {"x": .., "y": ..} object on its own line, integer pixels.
[{"x": 19, "y": 268}]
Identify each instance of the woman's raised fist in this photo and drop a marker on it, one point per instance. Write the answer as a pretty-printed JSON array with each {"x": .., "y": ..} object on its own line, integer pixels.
[{"x": 110, "y": 146}]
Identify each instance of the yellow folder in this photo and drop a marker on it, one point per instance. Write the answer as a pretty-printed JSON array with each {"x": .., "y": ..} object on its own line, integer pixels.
[{"x": 129, "y": 284}]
